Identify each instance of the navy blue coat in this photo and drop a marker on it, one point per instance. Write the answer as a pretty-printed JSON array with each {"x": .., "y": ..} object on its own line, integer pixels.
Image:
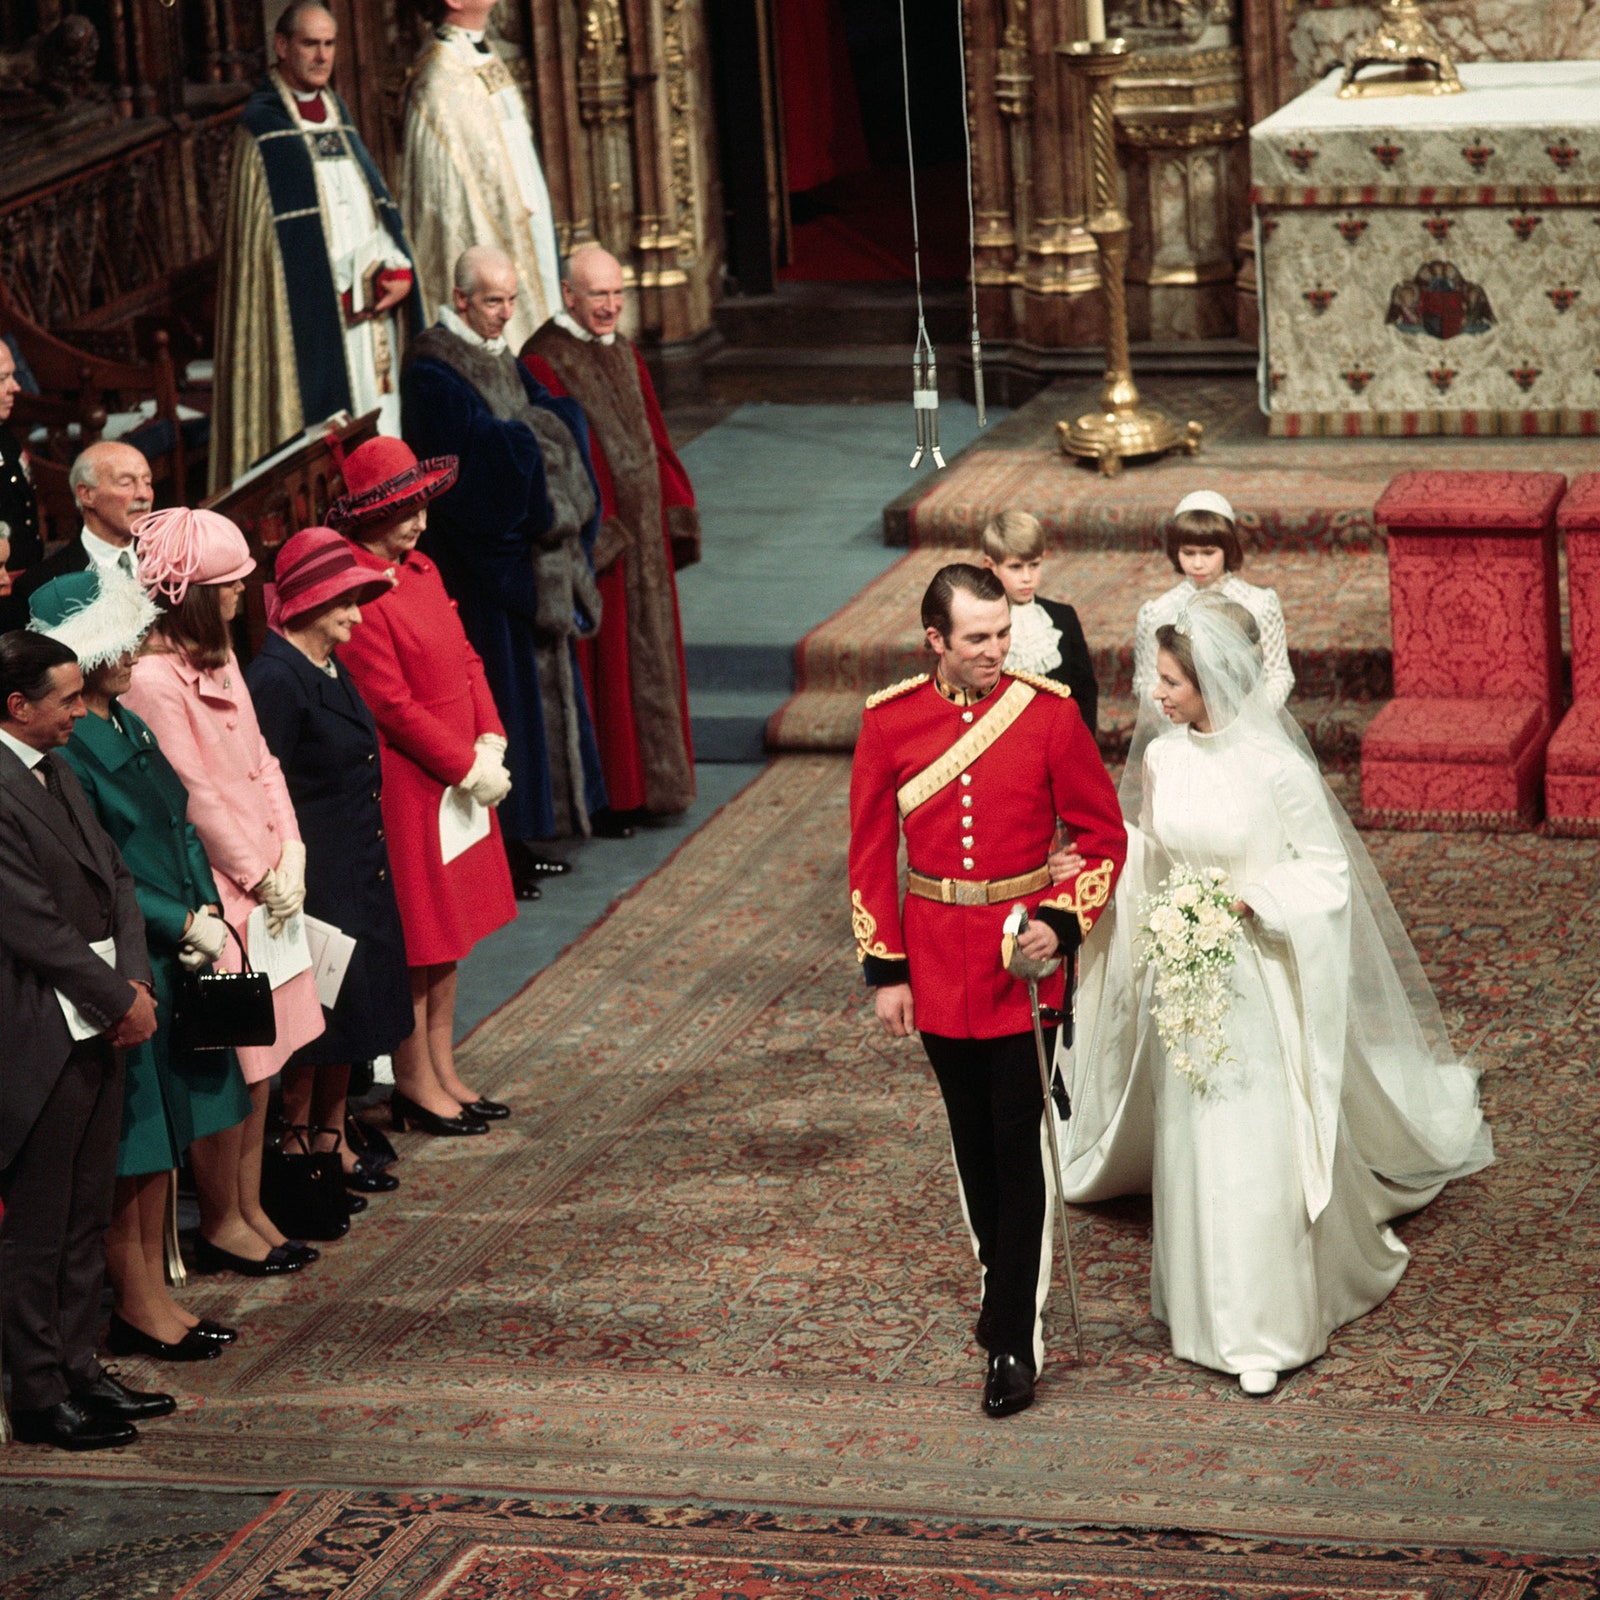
[
  {"x": 481, "y": 532},
  {"x": 324, "y": 737}
]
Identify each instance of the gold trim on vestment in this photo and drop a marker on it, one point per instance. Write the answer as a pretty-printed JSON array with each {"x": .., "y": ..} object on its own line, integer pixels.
[
  {"x": 904, "y": 686},
  {"x": 922, "y": 787}
]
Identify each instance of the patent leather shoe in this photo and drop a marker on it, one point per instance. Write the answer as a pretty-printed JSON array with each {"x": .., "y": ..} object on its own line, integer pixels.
[
  {"x": 536, "y": 866},
  {"x": 1008, "y": 1386},
  {"x": 609, "y": 824},
  {"x": 527, "y": 889},
  {"x": 488, "y": 1110},
  {"x": 354, "y": 1204},
  {"x": 72, "y": 1425},
  {"x": 207, "y": 1329},
  {"x": 297, "y": 1252},
  {"x": 109, "y": 1396},
  {"x": 123, "y": 1339},
  {"x": 212, "y": 1258},
  {"x": 406, "y": 1113},
  {"x": 361, "y": 1179}
]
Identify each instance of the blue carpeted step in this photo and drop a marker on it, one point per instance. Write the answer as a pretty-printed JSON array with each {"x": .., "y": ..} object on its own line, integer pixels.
[
  {"x": 743, "y": 667},
  {"x": 731, "y": 724}
]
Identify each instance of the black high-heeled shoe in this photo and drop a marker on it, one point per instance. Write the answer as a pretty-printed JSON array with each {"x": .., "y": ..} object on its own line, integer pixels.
[
  {"x": 123, "y": 1339},
  {"x": 205, "y": 1328},
  {"x": 404, "y": 1112},
  {"x": 487, "y": 1110},
  {"x": 362, "y": 1180}
]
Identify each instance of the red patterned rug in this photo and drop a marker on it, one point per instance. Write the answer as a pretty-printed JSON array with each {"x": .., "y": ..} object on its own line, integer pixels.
[
  {"x": 716, "y": 1256},
  {"x": 1336, "y": 609},
  {"x": 449, "y": 1547},
  {"x": 1301, "y": 494}
]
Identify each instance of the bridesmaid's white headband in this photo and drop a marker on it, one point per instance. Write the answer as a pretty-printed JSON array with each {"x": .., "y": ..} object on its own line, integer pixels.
[{"x": 1205, "y": 500}]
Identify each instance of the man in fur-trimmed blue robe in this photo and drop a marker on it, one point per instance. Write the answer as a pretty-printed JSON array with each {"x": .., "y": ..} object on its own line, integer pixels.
[
  {"x": 316, "y": 287},
  {"x": 514, "y": 540}
]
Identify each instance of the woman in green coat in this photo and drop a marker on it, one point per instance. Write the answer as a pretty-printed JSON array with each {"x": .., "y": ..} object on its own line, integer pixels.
[{"x": 171, "y": 1098}]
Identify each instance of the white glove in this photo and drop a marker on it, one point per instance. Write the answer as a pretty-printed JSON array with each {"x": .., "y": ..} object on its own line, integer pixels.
[
  {"x": 487, "y": 780},
  {"x": 491, "y": 741},
  {"x": 203, "y": 941},
  {"x": 292, "y": 867},
  {"x": 283, "y": 890}
]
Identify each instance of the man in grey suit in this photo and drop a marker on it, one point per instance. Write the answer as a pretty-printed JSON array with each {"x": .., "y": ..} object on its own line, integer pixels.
[{"x": 75, "y": 992}]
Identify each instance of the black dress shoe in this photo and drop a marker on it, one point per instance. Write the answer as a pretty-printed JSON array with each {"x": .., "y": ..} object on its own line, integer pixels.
[
  {"x": 488, "y": 1110},
  {"x": 71, "y": 1425},
  {"x": 405, "y": 1113},
  {"x": 123, "y": 1339},
  {"x": 207, "y": 1329},
  {"x": 1008, "y": 1387},
  {"x": 109, "y": 1396},
  {"x": 609, "y": 824},
  {"x": 537, "y": 866},
  {"x": 355, "y": 1204},
  {"x": 296, "y": 1252},
  {"x": 526, "y": 888},
  {"x": 212, "y": 1258},
  {"x": 362, "y": 1180}
]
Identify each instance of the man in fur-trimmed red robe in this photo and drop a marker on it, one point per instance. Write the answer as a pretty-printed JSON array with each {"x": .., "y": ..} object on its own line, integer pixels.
[{"x": 649, "y": 527}]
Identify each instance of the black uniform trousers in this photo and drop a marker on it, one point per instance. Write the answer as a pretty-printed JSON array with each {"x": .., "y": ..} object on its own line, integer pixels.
[
  {"x": 995, "y": 1105},
  {"x": 58, "y": 1196}
]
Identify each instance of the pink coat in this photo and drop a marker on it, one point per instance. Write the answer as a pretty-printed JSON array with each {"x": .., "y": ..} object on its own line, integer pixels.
[{"x": 239, "y": 804}]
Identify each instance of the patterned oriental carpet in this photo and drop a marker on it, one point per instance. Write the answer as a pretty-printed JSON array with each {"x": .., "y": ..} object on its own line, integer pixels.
[
  {"x": 1335, "y": 606},
  {"x": 716, "y": 1257},
  {"x": 446, "y": 1547},
  {"x": 1307, "y": 494}
]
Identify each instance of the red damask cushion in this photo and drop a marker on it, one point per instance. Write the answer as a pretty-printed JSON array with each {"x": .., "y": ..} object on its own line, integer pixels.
[
  {"x": 1581, "y": 509},
  {"x": 1468, "y": 731},
  {"x": 1576, "y": 745},
  {"x": 1514, "y": 502}
]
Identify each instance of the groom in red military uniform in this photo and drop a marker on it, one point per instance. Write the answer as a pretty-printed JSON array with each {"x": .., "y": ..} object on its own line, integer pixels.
[{"x": 978, "y": 765}]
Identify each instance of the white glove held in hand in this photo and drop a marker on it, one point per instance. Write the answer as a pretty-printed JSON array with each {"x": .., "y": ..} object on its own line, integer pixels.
[
  {"x": 491, "y": 741},
  {"x": 292, "y": 868},
  {"x": 487, "y": 780},
  {"x": 283, "y": 890},
  {"x": 204, "y": 940}
]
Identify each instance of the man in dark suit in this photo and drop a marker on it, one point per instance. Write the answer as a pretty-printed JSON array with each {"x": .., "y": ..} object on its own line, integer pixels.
[
  {"x": 75, "y": 992},
  {"x": 111, "y": 482}
]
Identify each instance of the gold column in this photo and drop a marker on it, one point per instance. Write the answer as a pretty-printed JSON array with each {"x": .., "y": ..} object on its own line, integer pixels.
[{"x": 1121, "y": 428}]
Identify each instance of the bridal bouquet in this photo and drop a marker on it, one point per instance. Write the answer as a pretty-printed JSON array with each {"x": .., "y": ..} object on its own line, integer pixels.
[{"x": 1188, "y": 934}]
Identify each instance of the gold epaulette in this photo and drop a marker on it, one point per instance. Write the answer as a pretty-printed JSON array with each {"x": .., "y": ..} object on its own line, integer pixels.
[
  {"x": 904, "y": 686},
  {"x": 1049, "y": 685}
]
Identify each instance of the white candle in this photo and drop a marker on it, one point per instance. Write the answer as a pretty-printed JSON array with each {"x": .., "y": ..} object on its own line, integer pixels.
[{"x": 1094, "y": 19}]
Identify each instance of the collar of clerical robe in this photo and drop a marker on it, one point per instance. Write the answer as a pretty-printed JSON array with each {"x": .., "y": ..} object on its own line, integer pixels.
[{"x": 311, "y": 107}]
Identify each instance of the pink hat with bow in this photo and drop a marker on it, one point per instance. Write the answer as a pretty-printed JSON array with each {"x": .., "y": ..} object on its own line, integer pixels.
[{"x": 180, "y": 546}]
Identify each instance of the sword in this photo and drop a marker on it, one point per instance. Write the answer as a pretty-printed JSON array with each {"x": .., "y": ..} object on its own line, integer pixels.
[{"x": 1030, "y": 971}]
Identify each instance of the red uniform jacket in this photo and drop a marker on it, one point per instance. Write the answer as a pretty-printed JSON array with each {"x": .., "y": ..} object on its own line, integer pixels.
[{"x": 996, "y": 819}]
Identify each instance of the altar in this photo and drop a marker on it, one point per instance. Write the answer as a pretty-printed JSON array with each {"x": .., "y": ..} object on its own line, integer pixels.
[{"x": 1431, "y": 264}]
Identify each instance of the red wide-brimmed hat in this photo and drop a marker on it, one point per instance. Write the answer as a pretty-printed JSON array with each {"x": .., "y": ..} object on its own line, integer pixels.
[
  {"x": 315, "y": 566},
  {"x": 384, "y": 480}
]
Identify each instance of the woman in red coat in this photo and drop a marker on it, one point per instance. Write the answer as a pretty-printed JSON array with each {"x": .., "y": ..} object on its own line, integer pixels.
[{"x": 438, "y": 731}]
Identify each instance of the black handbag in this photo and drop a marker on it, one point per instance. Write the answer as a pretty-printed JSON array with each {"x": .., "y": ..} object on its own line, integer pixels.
[
  {"x": 214, "y": 1010},
  {"x": 302, "y": 1189},
  {"x": 369, "y": 1144}
]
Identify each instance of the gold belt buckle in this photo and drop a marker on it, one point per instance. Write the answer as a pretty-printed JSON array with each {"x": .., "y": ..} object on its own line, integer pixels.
[{"x": 967, "y": 893}]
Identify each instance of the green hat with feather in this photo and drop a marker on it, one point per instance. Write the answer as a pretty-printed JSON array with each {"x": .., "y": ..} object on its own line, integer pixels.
[{"x": 98, "y": 616}]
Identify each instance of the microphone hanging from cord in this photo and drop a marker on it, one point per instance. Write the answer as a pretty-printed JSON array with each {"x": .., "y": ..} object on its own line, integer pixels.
[{"x": 924, "y": 368}]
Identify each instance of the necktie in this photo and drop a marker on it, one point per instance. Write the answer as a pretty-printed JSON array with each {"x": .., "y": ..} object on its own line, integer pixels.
[
  {"x": 481, "y": 46},
  {"x": 125, "y": 561},
  {"x": 52, "y": 782}
]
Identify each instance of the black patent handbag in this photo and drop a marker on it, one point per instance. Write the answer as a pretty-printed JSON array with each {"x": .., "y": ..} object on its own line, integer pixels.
[{"x": 214, "y": 1010}]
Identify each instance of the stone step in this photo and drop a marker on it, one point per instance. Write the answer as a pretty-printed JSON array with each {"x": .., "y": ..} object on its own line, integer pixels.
[
  {"x": 806, "y": 375},
  {"x": 746, "y": 668}
]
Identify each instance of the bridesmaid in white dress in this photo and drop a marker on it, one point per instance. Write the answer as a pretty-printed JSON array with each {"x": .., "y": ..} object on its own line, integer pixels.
[{"x": 1342, "y": 1106}]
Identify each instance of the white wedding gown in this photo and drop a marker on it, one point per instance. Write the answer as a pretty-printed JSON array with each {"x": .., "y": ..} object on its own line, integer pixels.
[{"x": 1273, "y": 1192}]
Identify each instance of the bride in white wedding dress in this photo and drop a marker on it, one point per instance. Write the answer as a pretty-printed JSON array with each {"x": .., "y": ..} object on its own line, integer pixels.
[{"x": 1341, "y": 1105}]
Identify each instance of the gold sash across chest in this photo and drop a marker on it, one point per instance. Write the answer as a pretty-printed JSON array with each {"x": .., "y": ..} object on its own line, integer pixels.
[{"x": 923, "y": 786}]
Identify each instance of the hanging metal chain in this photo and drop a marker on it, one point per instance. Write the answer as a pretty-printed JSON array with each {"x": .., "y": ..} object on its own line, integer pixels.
[
  {"x": 972, "y": 227},
  {"x": 924, "y": 368}
]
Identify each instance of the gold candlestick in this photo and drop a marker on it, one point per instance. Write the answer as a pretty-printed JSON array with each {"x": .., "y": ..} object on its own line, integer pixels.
[{"x": 1121, "y": 429}]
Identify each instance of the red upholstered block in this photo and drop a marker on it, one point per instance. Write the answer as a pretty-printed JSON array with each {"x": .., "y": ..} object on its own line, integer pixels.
[
  {"x": 1450, "y": 501},
  {"x": 1576, "y": 745},
  {"x": 1492, "y": 732},
  {"x": 1581, "y": 507}
]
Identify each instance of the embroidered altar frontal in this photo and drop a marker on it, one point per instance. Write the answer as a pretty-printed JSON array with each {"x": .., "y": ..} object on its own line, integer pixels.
[{"x": 1427, "y": 263}]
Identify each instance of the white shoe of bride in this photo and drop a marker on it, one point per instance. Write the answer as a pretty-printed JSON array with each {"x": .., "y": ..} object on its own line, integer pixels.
[{"x": 1262, "y": 1381}]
